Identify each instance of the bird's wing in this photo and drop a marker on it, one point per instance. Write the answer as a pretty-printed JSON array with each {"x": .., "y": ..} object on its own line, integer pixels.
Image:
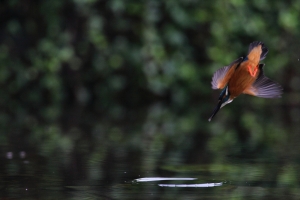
[
  {"x": 222, "y": 76},
  {"x": 264, "y": 87}
]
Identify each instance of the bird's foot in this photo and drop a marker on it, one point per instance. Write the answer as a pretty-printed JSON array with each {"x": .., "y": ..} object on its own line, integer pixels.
[{"x": 252, "y": 72}]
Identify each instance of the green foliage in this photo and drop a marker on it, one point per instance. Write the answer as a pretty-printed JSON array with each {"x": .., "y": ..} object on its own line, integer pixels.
[
  {"x": 166, "y": 48},
  {"x": 93, "y": 82}
]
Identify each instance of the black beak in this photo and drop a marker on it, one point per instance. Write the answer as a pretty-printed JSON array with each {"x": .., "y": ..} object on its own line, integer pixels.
[{"x": 216, "y": 110}]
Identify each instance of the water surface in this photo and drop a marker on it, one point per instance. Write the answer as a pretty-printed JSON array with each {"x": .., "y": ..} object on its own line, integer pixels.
[{"x": 150, "y": 153}]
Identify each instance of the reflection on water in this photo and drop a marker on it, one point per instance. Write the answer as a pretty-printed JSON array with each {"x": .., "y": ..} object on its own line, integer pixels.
[
  {"x": 169, "y": 155},
  {"x": 148, "y": 179},
  {"x": 192, "y": 185}
]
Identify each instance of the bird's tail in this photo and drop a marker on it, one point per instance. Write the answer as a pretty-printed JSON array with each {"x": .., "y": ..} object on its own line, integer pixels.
[{"x": 257, "y": 51}]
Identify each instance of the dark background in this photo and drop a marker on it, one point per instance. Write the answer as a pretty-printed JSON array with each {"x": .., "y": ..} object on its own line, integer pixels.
[{"x": 92, "y": 88}]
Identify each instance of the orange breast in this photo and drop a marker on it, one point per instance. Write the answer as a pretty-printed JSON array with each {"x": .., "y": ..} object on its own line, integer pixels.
[{"x": 242, "y": 78}]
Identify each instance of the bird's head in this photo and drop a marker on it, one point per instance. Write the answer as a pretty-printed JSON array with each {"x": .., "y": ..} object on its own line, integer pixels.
[{"x": 224, "y": 99}]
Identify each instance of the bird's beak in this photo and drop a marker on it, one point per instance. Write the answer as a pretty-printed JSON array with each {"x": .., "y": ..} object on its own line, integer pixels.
[{"x": 216, "y": 110}]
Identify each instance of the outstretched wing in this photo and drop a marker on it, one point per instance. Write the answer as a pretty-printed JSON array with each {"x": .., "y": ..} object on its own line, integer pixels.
[
  {"x": 222, "y": 76},
  {"x": 264, "y": 87}
]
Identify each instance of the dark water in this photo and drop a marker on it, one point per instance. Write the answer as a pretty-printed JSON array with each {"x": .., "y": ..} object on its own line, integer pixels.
[{"x": 149, "y": 153}]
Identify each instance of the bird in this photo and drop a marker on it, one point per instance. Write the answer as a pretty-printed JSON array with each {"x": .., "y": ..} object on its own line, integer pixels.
[{"x": 245, "y": 75}]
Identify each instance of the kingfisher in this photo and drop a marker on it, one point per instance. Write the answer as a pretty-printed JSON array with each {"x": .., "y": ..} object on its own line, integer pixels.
[{"x": 245, "y": 76}]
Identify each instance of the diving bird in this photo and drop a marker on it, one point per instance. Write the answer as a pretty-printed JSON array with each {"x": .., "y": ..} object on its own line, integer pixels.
[{"x": 245, "y": 76}]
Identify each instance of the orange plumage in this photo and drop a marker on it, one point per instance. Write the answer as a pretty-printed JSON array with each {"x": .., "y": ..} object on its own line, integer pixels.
[{"x": 245, "y": 75}]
